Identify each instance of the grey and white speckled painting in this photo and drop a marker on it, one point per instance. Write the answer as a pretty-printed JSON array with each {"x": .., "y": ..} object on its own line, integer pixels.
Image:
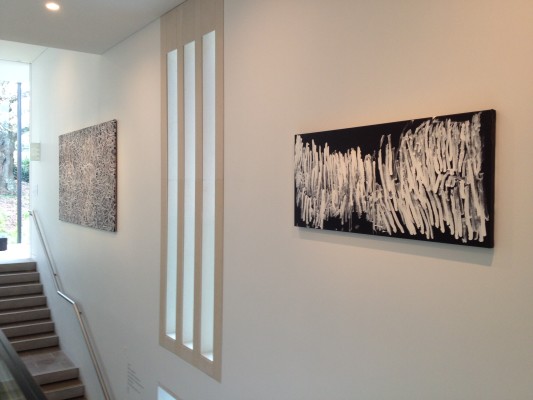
[{"x": 88, "y": 176}]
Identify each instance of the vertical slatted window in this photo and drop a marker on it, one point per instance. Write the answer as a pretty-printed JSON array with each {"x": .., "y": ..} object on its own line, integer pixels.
[
  {"x": 172, "y": 193},
  {"x": 209, "y": 193},
  {"x": 189, "y": 201},
  {"x": 192, "y": 169}
]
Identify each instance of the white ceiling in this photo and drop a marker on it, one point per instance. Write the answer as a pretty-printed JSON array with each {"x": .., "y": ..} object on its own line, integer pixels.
[
  {"x": 19, "y": 52},
  {"x": 91, "y": 26}
]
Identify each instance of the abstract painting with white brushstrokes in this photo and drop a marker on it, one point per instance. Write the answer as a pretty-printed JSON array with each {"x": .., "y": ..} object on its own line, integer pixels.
[
  {"x": 88, "y": 176},
  {"x": 426, "y": 179}
]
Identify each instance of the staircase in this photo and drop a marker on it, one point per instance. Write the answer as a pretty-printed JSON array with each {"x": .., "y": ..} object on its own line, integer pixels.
[{"x": 26, "y": 321}]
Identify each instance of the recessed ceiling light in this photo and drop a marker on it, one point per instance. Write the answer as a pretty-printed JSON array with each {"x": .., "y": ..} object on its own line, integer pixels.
[{"x": 52, "y": 6}]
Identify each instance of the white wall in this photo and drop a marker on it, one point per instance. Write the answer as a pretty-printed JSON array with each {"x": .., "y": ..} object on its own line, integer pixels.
[
  {"x": 14, "y": 71},
  {"x": 114, "y": 276},
  {"x": 309, "y": 314},
  {"x": 64, "y": 99}
]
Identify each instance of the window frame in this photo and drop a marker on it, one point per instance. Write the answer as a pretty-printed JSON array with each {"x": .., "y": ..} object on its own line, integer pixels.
[{"x": 190, "y": 22}]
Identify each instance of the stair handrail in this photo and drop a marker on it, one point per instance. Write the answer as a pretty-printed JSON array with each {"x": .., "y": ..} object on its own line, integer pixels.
[{"x": 77, "y": 309}]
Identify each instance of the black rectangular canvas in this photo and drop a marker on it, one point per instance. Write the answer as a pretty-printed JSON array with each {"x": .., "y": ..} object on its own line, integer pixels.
[{"x": 427, "y": 179}]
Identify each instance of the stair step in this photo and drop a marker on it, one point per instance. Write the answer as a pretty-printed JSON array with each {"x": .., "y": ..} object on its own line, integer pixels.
[
  {"x": 16, "y": 302},
  {"x": 18, "y": 266},
  {"x": 16, "y": 290},
  {"x": 28, "y": 328},
  {"x": 57, "y": 376},
  {"x": 49, "y": 366},
  {"x": 26, "y": 314},
  {"x": 26, "y": 321},
  {"x": 64, "y": 390},
  {"x": 19, "y": 277},
  {"x": 23, "y": 354},
  {"x": 37, "y": 341}
]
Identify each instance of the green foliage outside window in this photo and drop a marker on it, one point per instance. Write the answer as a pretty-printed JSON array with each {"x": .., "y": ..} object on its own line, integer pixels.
[{"x": 25, "y": 170}]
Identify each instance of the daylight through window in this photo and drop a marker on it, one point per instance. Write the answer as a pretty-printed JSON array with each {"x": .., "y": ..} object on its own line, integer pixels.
[{"x": 192, "y": 152}]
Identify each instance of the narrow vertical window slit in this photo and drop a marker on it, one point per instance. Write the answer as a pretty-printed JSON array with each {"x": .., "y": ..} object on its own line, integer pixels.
[
  {"x": 172, "y": 192},
  {"x": 208, "y": 206},
  {"x": 189, "y": 222}
]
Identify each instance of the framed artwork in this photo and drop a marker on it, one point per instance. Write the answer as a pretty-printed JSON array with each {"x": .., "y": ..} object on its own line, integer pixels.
[
  {"x": 427, "y": 179},
  {"x": 88, "y": 176}
]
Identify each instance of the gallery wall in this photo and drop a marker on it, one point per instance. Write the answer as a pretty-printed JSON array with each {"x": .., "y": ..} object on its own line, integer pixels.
[
  {"x": 114, "y": 276},
  {"x": 14, "y": 71},
  {"x": 309, "y": 314}
]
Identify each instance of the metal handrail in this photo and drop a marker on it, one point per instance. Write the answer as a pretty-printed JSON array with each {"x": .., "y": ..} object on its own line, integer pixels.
[{"x": 77, "y": 310}]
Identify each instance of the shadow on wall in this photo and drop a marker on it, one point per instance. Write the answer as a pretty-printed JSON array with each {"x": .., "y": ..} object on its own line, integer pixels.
[{"x": 450, "y": 252}]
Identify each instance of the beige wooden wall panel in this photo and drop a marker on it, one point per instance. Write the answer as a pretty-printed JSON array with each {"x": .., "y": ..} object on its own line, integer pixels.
[{"x": 190, "y": 22}]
